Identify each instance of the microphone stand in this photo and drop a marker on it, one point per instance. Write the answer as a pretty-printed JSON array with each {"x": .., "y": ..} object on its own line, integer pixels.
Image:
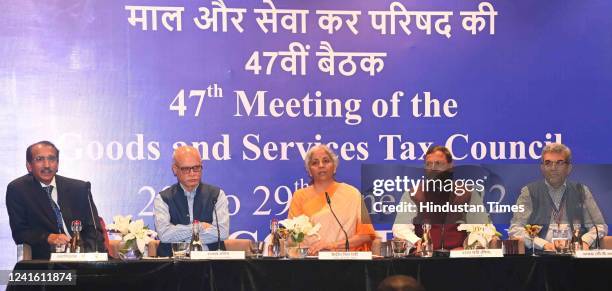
[
  {"x": 442, "y": 252},
  {"x": 217, "y": 223},
  {"x": 346, "y": 241},
  {"x": 93, "y": 218}
]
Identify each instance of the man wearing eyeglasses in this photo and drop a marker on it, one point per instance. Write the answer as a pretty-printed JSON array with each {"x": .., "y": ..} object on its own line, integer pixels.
[
  {"x": 555, "y": 201},
  {"x": 42, "y": 205},
  {"x": 178, "y": 206},
  {"x": 444, "y": 233}
]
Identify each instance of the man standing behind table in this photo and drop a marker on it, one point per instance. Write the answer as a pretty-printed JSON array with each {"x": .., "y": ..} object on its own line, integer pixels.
[
  {"x": 554, "y": 201},
  {"x": 178, "y": 206},
  {"x": 42, "y": 205}
]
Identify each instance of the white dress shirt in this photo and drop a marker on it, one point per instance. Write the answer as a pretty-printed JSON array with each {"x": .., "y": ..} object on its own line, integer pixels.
[
  {"x": 54, "y": 197},
  {"x": 169, "y": 232}
]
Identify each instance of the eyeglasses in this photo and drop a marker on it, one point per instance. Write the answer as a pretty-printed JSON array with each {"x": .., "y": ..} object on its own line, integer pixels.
[
  {"x": 40, "y": 159},
  {"x": 550, "y": 164},
  {"x": 437, "y": 165},
  {"x": 187, "y": 170}
]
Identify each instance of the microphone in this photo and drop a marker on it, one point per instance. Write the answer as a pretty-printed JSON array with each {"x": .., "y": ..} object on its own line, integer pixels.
[
  {"x": 217, "y": 223},
  {"x": 346, "y": 241},
  {"x": 597, "y": 238},
  {"x": 442, "y": 252},
  {"x": 92, "y": 216}
]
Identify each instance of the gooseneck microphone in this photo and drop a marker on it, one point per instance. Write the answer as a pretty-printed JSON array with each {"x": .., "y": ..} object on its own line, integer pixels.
[
  {"x": 93, "y": 219},
  {"x": 443, "y": 252},
  {"x": 217, "y": 223},
  {"x": 346, "y": 241}
]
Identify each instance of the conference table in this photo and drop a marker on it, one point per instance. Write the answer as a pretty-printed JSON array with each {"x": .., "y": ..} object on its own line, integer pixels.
[{"x": 508, "y": 273}]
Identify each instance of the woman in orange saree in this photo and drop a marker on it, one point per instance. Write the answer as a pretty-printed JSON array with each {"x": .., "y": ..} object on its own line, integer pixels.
[{"x": 345, "y": 201}]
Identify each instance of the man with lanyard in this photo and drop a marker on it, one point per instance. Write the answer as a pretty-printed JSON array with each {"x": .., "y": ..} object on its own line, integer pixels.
[
  {"x": 555, "y": 201},
  {"x": 41, "y": 205}
]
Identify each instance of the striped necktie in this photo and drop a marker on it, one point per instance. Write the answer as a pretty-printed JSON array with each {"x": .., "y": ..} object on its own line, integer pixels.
[{"x": 56, "y": 210}]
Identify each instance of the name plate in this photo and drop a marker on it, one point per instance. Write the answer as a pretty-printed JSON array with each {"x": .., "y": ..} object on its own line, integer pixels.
[
  {"x": 593, "y": 254},
  {"x": 345, "y": 255},
  {"x": 78, "y": 257},
  {"x": 217, "y": 255},
  {"x": 479, "y": 253}
]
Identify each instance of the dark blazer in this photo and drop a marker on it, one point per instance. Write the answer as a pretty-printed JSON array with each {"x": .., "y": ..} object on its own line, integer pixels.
[{"x": 32, "y": 219}]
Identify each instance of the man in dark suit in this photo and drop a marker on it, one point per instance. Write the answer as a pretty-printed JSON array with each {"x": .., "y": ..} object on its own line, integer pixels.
[{"x": 42, "y": 205}]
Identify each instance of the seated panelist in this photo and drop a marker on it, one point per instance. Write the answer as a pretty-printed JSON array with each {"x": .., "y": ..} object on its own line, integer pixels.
[{"x": 345, "y": 200}]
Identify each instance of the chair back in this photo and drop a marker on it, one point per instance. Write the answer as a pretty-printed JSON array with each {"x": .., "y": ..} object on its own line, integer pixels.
[
  {"x": 606, "y": 242},
  {"x": 24, "y": 252},
  {"x": 237, "y": 244}
]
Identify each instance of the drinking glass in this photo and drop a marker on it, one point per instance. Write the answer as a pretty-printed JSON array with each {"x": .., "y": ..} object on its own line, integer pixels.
[
  {"x": 60, "y": 248},
  {"x": 399, "y": 248},
  {"x": 302, "y": 252},
  {"x": 386, "y": 249},
  {"x": 257, "y": 248},
  {"x": 532, "y": 236},
  {"x": 561, "y": 240},
  {"x": 180, "y": 250}
]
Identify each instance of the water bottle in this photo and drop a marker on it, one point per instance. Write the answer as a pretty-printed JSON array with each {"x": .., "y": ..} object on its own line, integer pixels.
[
  {"x": 275, "y": 247},
  {"x": 76, "y": 243},
  {"x": 196, "y": 244},
  {"x": 426, "y": 242}
]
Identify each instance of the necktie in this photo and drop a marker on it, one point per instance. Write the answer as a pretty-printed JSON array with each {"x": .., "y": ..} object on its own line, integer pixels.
[{"x": 56, "y": 210}]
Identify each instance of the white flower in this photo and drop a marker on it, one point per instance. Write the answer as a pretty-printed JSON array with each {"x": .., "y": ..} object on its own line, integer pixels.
[
  {"x": 481, "y": 233},
  {"x": 476, "y": 237},
  {"x": 300, "y": 226},
  {"x": 466, "y": 227},
  {"x": 137, "y": 230},
  {"x": 132, "y": 230},
  {"x": 121, "y": 224},
  {"x": 489, "y": 230}
]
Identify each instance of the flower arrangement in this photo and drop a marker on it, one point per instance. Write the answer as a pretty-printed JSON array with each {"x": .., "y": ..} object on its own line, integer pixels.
[
  {"x": 299, "y": 227},
  {"x": 133, "y": 233},
  {"x": 479, "y": 235},
  {"x": 533, "y": 230}
]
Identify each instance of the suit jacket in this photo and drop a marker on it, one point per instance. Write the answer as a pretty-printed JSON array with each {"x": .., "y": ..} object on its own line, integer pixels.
[{"x": 32, "y": 219}]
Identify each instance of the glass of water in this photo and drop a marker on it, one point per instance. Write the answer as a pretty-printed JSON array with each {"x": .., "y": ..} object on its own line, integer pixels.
[
  {"x": 386, "y": 249},
  {"x": 561, "y": 239},
  {"x": 60, "y": 248},
  {"x": 399, "y": 247},
  {"x": 257, "y": 248},
  {"x": 180, "y": 250}
]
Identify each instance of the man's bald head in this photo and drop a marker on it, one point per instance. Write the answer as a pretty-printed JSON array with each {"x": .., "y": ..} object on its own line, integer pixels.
[
  {"x": 183, "y": 151},
  {"x": 187, "y": 166}
]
